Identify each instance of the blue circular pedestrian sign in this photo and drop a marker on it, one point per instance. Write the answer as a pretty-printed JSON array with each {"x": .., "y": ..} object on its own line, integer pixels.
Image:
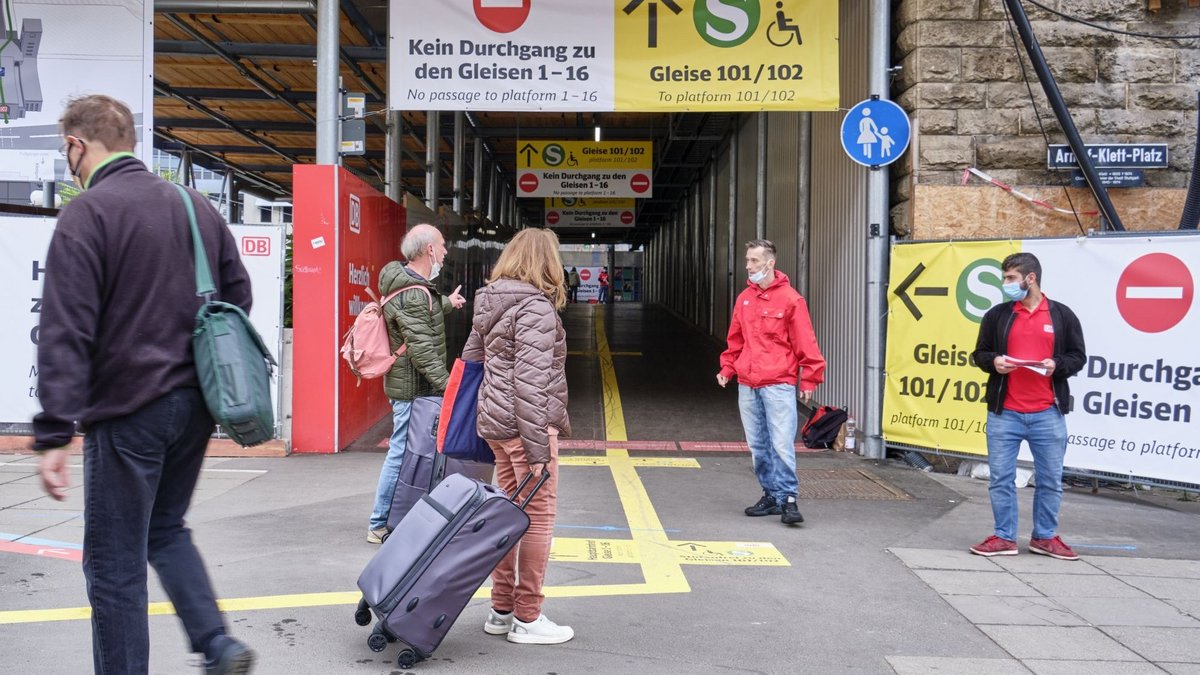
[{"x": 875, "y": 132}]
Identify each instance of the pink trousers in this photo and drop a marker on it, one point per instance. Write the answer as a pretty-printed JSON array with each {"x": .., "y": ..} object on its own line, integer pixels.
[{"x": 517, "y": 581}]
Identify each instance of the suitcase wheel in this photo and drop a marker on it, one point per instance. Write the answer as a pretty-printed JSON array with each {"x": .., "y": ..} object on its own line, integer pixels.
[
  {"x": 362, "y": 615},
  {"x": 377, "y": 642},
  {"x": 407, "y": 658}
]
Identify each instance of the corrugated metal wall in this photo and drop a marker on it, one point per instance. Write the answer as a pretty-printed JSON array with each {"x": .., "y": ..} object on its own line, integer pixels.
[
  {"x": 721, "y": 270},
  {"x": 838, "y": 237},
  {"x": 783, "y": 193}
]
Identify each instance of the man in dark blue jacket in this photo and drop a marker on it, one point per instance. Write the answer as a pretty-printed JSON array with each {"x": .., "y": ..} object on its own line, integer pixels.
[
  {"x": 1029, "y": 346},
  {"x": 115, "y": 356}
]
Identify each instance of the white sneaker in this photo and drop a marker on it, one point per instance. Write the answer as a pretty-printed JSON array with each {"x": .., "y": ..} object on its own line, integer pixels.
[
  {"x": 497, "y": 623},
  {"x": 541, "y": 631}
]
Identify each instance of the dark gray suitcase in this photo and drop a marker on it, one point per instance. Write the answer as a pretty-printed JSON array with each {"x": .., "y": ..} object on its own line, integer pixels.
[
  {"x": 423, "y": 466},
  {"x": 440, "y": 554}
]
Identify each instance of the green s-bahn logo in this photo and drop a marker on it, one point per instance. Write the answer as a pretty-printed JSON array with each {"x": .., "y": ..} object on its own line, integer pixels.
[
  {"x": 553, "y": 154},
  {"x": 726, "y": 23},
  {"x": 979, "y": 288}
]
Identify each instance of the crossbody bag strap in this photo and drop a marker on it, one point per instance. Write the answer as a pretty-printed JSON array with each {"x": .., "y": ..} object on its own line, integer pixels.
[{"x": 204, "y": 280}]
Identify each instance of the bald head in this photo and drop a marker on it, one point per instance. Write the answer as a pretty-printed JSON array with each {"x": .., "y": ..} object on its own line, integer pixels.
[{"x": 419, "y": 239}]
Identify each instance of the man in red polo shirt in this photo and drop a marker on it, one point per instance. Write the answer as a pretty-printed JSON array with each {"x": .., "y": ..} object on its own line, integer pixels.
[{"x": 1029, "y": 346}]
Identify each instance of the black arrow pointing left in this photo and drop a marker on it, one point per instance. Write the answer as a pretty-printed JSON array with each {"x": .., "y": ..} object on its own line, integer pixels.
[{"x": 901, "y": 290}]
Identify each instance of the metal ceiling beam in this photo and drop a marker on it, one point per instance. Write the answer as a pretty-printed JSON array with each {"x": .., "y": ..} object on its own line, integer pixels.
[
  {"x": 229, "y": 94},
  {"x": 219, "y": 122},
  {"x": 613, "y": 133},
  {"x": 224, "y": 123},
  {"x": 360, "y": 23},
  {"x": 236, "y": 6},
  {"x": 272, "y": 51},
  {"x": 237, "y": 65},
  {"x": 259, "y": 150},
  {"x": 221, "y": 165}
]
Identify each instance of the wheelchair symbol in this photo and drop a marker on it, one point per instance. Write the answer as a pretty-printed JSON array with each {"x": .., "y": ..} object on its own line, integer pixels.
[
  {"x": 781, "y": 25},
  {"x": 571, "y": 161}
]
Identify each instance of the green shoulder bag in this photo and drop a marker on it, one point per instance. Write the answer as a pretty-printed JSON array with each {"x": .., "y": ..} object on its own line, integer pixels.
[{"x": 232, "y": 362}]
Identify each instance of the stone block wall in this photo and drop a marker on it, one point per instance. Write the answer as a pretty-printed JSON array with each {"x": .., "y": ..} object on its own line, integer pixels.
[{"x": 961, "y": 80}]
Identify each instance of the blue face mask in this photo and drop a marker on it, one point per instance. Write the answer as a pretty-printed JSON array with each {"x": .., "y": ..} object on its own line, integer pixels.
[{"x": 1013, "y": 291}]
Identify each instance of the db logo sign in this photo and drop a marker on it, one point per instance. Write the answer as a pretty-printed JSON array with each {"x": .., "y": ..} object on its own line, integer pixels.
[
  {"x": 256, "y": 246},
  {"x": 355, "y": 214}
]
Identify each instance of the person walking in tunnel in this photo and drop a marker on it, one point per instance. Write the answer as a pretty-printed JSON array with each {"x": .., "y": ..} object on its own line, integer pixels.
[
  {"x": 1029, "y": 347},
  {"x": 519, "y": 336},
  {"x": 575, "y": 281},
  {"x": 771, "y": 349},
  {"x": 603, "y": 280},
  {"x": 415, "y": 319}
]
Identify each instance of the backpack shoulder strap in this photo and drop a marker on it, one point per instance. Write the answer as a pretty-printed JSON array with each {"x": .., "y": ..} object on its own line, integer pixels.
[{"x": 392, "y": 296}]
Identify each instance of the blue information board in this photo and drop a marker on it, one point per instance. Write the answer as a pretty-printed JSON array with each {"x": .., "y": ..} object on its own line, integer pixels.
[{"x": 876, "y": 132}]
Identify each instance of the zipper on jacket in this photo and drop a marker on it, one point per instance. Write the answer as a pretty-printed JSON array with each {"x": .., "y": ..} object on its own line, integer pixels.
[
  {"x": 1004, "y": 378},
  {"x": 406, "y": 582}
]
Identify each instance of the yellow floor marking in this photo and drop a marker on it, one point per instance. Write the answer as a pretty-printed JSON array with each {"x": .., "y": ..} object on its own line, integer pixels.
[
  {"x": 659, "y": 557},
  {"x": 668, "y": 462},
  {"x": 629, "y": 551}
]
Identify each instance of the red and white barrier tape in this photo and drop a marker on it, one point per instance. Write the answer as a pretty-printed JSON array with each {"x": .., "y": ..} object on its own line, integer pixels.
[{"x": 1012, "y": 190}]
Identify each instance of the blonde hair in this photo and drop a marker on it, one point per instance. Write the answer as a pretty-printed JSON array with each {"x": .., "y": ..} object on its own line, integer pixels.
[{"x": 532, "y": 257}]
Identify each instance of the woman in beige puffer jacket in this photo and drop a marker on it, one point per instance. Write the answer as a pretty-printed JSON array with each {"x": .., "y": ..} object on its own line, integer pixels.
[{"x": 518, "y": 335}]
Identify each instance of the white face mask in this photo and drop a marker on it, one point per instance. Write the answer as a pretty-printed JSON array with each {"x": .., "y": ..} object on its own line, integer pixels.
[{"x": 435, "y": 270}]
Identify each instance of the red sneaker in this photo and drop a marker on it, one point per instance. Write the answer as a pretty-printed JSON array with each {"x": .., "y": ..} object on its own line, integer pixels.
[
  {"x": 1053, "y": 547},
  {"x": 994, "y": 545}
]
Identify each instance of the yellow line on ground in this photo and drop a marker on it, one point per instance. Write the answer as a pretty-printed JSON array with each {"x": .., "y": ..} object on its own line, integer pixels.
[
  {"x": 660, "y": 562},
  {"x": 660, "y": 567}
]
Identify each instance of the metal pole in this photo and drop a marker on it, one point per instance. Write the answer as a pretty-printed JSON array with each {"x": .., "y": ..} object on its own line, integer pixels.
[
  {"x": 48, "y": 194},
  {"x": 460, "y": 147},
  {"x": 804, "y": 188},
  {"x": 491, "y": 196},
  {"x": 433, "y": 137},
  {"x": 477, "y": 175},
  {"x": 328, "y": 96},
  {"x": 235, "y": 208},
  {"x": 760, "y": 209},
  {"x": 877, "y": 241},
  {"x": 712, "y": 245},
  {"x": 733, "y": 210},
  {"x": 394, "y": 161},
  {"x": 1050, "y": 86}
]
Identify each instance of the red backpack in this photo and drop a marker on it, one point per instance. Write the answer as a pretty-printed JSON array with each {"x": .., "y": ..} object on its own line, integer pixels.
[{"x": 366, "y": 347}]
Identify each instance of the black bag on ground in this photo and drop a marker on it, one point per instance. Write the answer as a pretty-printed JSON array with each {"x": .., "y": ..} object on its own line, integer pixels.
[
  {"x": 821, "y": 429},
  {"x": 232, "y": 362},
  {"x": 422, "y": 466}
]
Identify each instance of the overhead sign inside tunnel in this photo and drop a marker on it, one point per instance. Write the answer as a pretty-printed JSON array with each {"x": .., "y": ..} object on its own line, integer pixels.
[
  {"x": 585, "y": 169},
  {"x": 630, "y": 55},
  {"x": 1137, "y": 398}
]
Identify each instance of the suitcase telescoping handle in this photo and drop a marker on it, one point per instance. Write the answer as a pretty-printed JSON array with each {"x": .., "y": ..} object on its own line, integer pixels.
[{"x": 525, "y": 481}]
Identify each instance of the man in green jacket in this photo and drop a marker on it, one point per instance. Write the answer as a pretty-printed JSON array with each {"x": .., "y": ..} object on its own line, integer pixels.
[{"x": 416, "y": 319}]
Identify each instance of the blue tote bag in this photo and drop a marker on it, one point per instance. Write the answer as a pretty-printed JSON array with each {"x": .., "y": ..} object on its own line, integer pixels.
[{"x": 457, "y": 436}]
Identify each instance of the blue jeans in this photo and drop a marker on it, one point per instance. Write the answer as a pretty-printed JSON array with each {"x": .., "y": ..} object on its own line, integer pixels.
[
  {"x": 390, "y": 472},
  {"x": 139, "y": 472},
  {"x": 769, "y": 418},
  {"x": 1046, "y": 433},
  {"x": 603, "y": 295}
]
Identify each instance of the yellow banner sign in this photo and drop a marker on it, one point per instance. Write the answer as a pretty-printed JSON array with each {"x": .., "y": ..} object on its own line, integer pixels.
[
  {"x": 726, "y": 55},
  {"x": 939, "y": 292},
  {"x": 589, "y": 203},
  {"x": 585, "y": 155}
]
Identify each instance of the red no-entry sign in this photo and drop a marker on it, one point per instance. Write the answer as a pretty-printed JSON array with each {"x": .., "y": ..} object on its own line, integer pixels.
[
  {"x": 639, "y": 182},
  {"x": 627, "y": 217},
  {"x": 552, "y": 217},
  {"x": 528, "y": 182},
  {"x": 1155, "y": 292},
  {"x": 585, "y": 274},
  {"x": 502, "y": 16}
]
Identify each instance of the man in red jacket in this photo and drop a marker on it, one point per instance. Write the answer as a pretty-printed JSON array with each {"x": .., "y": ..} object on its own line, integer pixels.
[{"x": 772, "y": 347}]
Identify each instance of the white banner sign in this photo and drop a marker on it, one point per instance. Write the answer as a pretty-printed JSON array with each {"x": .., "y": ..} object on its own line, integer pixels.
[{"x": 23, "y": 246}]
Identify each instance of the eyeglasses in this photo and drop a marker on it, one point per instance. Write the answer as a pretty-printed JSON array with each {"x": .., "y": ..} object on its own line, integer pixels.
[{"x": 66, "y": 146}]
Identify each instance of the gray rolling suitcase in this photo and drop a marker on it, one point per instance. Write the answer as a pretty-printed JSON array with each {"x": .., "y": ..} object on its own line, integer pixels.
[
  {"x": 440, "y": 554},
  {"x": 423, "y": 466}
]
